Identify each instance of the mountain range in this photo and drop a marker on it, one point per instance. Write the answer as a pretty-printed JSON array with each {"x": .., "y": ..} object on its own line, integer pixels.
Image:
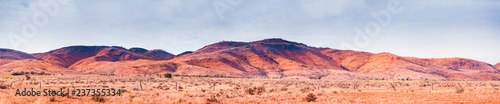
[{"x": 274, "y": 57}]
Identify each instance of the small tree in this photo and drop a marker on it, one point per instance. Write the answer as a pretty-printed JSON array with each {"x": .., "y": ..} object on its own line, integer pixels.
[{"x": 167, "y": 75}]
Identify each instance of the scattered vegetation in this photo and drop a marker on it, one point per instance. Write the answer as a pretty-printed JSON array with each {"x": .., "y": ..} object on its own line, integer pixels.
[
  {"x": 107, "y": 74},
  {"x": 98, "y": 99},
  {"x": 32, "y": 73},
  {"x": 242, "y": 90},
  {"x": 407, "y": 79},
  {"x": 18, "y": 73}
]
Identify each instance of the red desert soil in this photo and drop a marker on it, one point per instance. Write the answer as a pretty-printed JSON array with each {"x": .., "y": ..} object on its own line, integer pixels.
[
  {"x": 275, "y": 58},
  {"x": 155, "y": 89}
]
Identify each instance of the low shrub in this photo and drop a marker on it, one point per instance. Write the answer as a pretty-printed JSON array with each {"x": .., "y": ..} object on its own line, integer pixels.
[
  {"x": 459, "y": 90},
  {"x": 255, "y": 90},
  {"x": 212, "y": 99},
  {"x": 167, "y": 75},
  {"x": 3, "y": 87},
  {"x": 310, "y": 97},
  {"x": 98, "y": 99}
]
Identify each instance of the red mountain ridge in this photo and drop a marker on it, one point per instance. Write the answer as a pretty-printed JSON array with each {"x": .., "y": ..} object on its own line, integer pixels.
[{"x": 275, "y": 57}]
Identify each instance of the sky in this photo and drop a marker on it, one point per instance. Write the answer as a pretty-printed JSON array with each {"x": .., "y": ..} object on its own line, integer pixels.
[{"x": 416, "y": 28}]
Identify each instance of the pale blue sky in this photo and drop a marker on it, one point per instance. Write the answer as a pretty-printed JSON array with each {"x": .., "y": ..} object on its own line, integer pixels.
[{"x": 424, "y": 28}]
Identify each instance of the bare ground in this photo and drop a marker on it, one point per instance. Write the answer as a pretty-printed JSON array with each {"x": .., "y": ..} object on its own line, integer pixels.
[{"x": 156, "y": 89}]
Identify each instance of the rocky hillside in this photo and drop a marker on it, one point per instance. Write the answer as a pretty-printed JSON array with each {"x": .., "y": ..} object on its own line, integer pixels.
[{"x": 265, "y": 58}]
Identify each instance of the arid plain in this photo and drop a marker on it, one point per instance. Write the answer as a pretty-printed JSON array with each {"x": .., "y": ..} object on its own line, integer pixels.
[
  {"x": 189, "y": 89},
  {"x": 264, "y": 71}
]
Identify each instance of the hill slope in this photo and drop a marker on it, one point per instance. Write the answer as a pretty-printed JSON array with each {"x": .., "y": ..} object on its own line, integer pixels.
[
  {"x": 264, "y": 58},
  {"x": 32, "y": 65},
  {"x": 281, "y": 58},
  {"x": 14, "y": 55},
  {"x": 391, "y": 66},
  {"x": 69, "y": 56},
  {"x": 271, "y": 57}
]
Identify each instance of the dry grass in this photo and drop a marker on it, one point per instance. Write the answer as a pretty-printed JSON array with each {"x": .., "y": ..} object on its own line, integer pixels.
[
  {"x": 212, "y": 99},
  {"x": 242, "y": 90}
]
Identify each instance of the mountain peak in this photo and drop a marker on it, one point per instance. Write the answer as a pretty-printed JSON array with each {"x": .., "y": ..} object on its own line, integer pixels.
[
  {"x": 14, "y": 55},
  {"x": 159, "y": 54},
  {"x": 274, "y": 40},
  {"x": 184, "y": 53},
  {"x": 77, "y": 49},
  {"x": 6, "y": 50},
  {"x": 68, "y": 56},
  {"x": 138, "y": 50},
  {"x": 221, "y": 45},
  {"x": 277, "y": 41}
]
